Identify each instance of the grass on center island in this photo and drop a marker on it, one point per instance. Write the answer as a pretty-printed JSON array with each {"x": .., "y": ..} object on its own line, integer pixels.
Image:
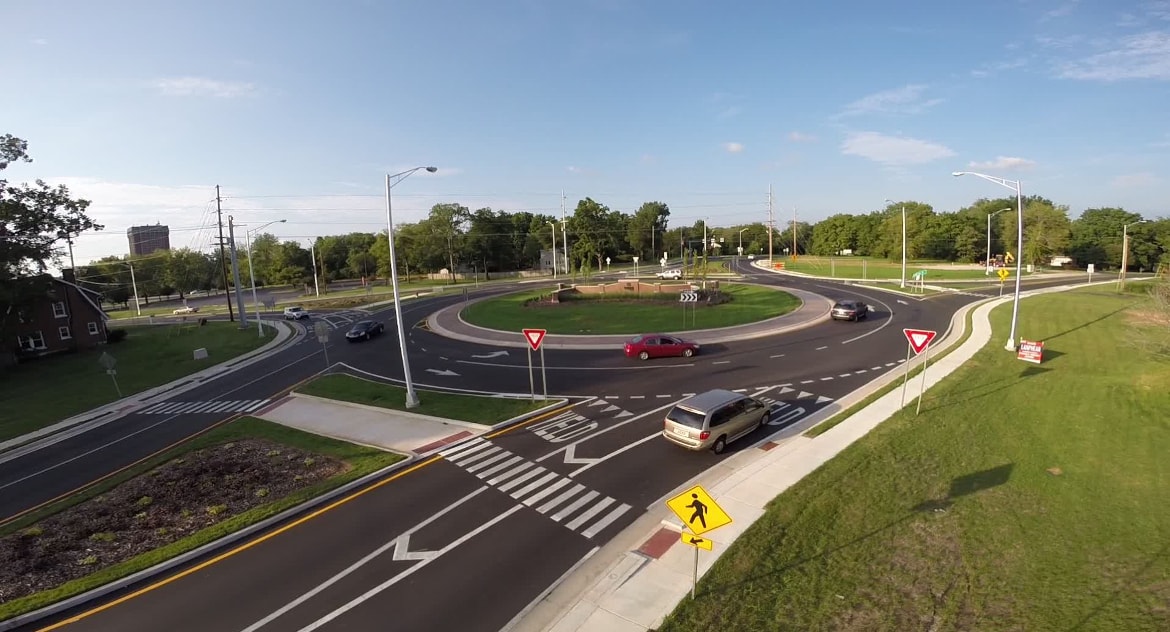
[
  {"x": 478, "y": 409},
  {"x": 870, "y": 268},
  {"x": 358, "y": 460},
  {"x": 629, "y": 314},
  {"x": 31, "y": 393},
  {"x": 1024, "y": 497}
]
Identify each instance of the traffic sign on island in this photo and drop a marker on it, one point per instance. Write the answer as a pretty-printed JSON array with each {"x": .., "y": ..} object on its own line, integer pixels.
[
  {"x": 919, "y": 338},
  {"x": 534, "y": 337},
  {"x": 1003, "y": 274},
  {"x": 698, "y": 511}
]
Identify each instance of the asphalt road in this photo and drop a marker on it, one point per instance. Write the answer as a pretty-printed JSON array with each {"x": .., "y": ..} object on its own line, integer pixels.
[{"x": 467, "y": 541}]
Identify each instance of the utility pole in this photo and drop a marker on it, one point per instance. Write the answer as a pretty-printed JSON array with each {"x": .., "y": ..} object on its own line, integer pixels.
[
  {"x": 223, "y": 253},
  {"x": 794, "y": 233},
  {"x": 313, "y": 256},
  {"x": 771, "y": 225},
  {"x": 236, "y": 275},
  {"x": 565, "y": 236}
]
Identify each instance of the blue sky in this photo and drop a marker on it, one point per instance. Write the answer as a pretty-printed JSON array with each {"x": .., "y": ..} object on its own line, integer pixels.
[{"x": 144, "y": 107}]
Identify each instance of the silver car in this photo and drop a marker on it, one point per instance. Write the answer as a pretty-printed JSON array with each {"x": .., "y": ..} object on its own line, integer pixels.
[{"x": 713, "y": 419}]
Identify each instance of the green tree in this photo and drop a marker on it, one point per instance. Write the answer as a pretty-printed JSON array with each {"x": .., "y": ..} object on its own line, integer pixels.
[
  {"x": 646, "y": 228},
  {"x": 185, "y": 270},
  {"x": 1096, "y": 236}
]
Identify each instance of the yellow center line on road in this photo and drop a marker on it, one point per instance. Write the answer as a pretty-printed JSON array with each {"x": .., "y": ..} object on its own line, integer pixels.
[{"x": 251, "y": 543}]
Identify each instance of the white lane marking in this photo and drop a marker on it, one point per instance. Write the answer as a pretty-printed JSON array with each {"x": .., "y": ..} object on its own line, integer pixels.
[
  {"x": 902, "y": 302},
  {"x": 722, "y": 362},
  {"x": 740, "y": 390},
  {"x": 358, "y": 564},
  {"x": 822, "y": 348},
  {"x": 502, "y": 466},
  {"x": 575, "y": 505},
  {"x": 875, "y": 368},
  {"x": 664, "y": 396},
  {"x": 589, "y": 513},
  {"x": 637, "y": 397},
  {"x": 615, "y": 453},
  {"x": 826, "y": 379},
  {"x": 779, "y": 355},
  {"x": 845, "y": 375},
  {"x": 606, "y": 521},
  {"x": 603, "y": 431},
  {"x": 360, "y": 599},
  {"x": 860, "y": 371},
  {"x": 641, "y": 367},
  {"x": 807, "y": 381}
]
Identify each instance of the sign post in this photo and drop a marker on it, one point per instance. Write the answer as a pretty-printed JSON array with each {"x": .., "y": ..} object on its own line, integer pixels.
[
  {"x": 534, "y": 337},
  {"x": 699, "y": 513},
  {"x": 919, "y": 340},
  {"x": 322, "y": 332},
  {"x": 1090, "y": 271},
  {"x": 108, "y": 361}
]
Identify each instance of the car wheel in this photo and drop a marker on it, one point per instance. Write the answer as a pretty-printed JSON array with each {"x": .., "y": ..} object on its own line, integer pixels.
[
  {"x": 688, "y": 353},
  {"x": 367, "y": 335},
  {"x": 764, "y": 419},
  {"x": 645, "y": 355},
  {"x": 720, "y": 445}
]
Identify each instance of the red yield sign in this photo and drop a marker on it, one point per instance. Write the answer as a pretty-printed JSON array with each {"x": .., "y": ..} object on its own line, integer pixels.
[
  {"x": 534, "y": 337},
  {"x": 919, "y": 338}
]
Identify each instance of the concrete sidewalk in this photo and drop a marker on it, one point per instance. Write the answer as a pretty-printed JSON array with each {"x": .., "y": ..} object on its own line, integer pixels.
[
  {"x": 97, "y": 416},
  {"x": 814, "y": 309}
]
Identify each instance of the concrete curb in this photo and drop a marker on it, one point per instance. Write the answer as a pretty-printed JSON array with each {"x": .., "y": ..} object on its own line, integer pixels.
[
  {"x": 284, "y": 334},
  {"x": 765, "y": 328}
]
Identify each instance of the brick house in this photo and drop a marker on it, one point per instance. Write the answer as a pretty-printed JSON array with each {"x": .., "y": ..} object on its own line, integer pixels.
[{"x": 67, "y": 318}]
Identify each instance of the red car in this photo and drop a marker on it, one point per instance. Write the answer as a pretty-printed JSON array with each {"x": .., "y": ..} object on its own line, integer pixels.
[{"x": 649, "y": 346}]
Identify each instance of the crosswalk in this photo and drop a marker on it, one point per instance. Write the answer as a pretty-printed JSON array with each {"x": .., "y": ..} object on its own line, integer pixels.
[
  {"x": 565, "y": 501},
  {"x": 186, "y": 408}
]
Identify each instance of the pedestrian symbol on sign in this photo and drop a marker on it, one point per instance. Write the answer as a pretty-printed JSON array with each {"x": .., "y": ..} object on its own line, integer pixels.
[{"x": 698, "y": 511}]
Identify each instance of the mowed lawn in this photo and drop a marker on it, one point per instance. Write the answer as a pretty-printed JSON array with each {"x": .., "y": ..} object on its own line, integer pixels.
[
  {"x": 628, "y": 315},
  {"x": 854, "y": 268},
  {"x": 1023, "y": 498},
  {"x": 42, "y": 392}
]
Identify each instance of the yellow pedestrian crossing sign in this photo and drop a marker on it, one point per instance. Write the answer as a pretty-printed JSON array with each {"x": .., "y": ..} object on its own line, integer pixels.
[
  {"x": 695, "y": 541},
  {"x": 1003, "y": 274},
  {"x": 698, "y": 510}
]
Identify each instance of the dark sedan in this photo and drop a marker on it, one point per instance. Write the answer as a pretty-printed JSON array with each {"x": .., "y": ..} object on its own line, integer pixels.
[
  {"x": 364, "y": 330},
  {"x": 849, "y": 310},
  {"x": 649, "y": 346}
]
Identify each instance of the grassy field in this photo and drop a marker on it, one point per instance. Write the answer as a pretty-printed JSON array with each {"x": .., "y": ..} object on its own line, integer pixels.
[
  {"x": 481, "y": 410},
  {"x": 749, "y": 304},
  {"x": 31, "y": 394},
  {"x": 864, "y": 268},
  {"x": 1023, "y": 498},
  {"x": 360, "y": 459}
]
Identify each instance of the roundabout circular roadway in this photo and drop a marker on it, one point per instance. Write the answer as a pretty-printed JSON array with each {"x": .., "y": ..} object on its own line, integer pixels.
[{"x": 479, "y": 549}]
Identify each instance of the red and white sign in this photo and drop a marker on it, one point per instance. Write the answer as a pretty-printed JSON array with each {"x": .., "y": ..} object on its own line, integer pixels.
[
  {"x": 534, "y": 337},
  {"x": 1030, "y": 351},
  {"x": 919, "y": 339}
]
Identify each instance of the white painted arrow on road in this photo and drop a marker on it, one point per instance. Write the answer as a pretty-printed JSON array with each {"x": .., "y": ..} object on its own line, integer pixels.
[
  {"x": 494, "y": 354},
  {"x": 443, "y": 372}
]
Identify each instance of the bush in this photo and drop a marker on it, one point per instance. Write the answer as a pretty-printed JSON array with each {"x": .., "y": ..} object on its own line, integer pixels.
[{"x": 116, "y": 335}]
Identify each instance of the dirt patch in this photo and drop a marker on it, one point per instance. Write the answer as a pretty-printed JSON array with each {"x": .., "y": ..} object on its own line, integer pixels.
[{"x": 171, "y": 502}]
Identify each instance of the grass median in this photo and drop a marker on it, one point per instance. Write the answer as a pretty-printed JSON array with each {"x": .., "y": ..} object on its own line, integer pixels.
[
  {"x": 31, "y": 393},
  {"x": 628, "y": 314},
  {"x": 219, "y": 482},
  {"x": 487, "y": 411},
  {"x": 1024, "y": 496}
]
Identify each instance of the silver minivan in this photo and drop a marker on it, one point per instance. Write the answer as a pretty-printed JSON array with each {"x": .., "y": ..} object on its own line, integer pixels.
[{"x": 713, "y": 419}]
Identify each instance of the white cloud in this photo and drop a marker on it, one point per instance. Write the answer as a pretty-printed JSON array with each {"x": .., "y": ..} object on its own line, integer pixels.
[
  {"x": 1004, "y": 163},
  {"x": 1134, "y": 180},
  {"x": 1059, "y": 12},
  {"x": 989, "y": 69},
  {"x": 40, "y": 41},
  {"x": 1142, "y": 56},
  {"x": 904, "y": 100},
  {"x": 198, "y": 86},
  {"x": 801, "y": 137},
  {"x": 733, "y": 148},
  {"x": 893, "y": 150}
]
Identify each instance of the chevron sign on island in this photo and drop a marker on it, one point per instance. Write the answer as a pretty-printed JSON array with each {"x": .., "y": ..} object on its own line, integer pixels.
[
  {"x": 688, "y": 297},
  {"x": 919, "y": 339}
]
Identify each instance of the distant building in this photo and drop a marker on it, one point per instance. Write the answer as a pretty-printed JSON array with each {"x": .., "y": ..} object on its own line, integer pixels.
[
  {"x": 147, "y": 239},
  {"x": 546, "y": 261}
]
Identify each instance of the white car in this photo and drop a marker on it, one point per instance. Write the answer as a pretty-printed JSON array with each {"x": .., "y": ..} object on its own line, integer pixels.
[
  {"x": 673, "y": 274},
  {"x": 185, "y": 310},
  {"x": 295, "y": 313}
]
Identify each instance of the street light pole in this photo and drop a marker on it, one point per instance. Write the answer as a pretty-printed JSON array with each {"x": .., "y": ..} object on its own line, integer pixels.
[
  {"x": 1125, "y": 253},
  {"x": 741, "y": 240},
  {"x": 903, "y": 283},
  {"x": 391, "y": 180},
  {"x": 252, "y": 272},
  {"x": 134, "y": 284},
  {"x": 987, "y": 266},
  {"x": 1015, "y": 185},
  {"x": 554, "y": 237}
]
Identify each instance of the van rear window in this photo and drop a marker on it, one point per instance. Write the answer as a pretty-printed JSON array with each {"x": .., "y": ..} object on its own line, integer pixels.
[{"x": 686, "y": 417}]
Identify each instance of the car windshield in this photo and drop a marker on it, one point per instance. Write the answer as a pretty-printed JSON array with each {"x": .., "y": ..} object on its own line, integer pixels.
[
  {"x": 636, "y": 340},
  {"x": 686, "y": 417},
  {"x": 365, "y": 324},
  {"x": 845, "y": 304}
]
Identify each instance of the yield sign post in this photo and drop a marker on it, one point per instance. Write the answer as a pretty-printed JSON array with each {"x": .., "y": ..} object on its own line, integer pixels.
[
  {"x": 918, "y": 341},
  {"x": 535, "y": 337}
]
